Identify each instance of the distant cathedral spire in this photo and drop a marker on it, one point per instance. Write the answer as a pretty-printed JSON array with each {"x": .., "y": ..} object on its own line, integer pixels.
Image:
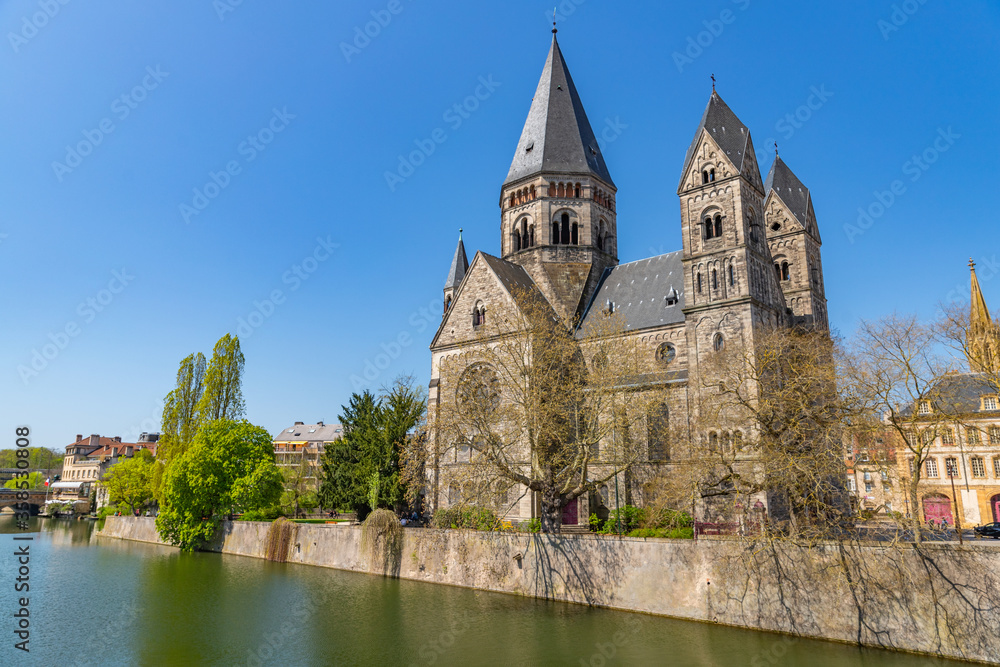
[
  {"x": 459, "y": 267},
  {"x": 983, "y": 337}
]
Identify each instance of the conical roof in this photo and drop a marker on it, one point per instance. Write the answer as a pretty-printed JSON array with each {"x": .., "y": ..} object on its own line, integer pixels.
[
  {"x": 557, "y": 136},
  {"x": 459, "y": 265},
  {"x": 787, "y": 185},
  {"x": 979, "y": 315},
  {"x": 725, "y": 128}
]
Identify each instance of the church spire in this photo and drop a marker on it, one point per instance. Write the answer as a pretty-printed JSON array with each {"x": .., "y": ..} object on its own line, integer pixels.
[
  {"x": 459, "y": 265},
  {"x": 983, "y": 338},
  {"x": 557, "y": 136}
]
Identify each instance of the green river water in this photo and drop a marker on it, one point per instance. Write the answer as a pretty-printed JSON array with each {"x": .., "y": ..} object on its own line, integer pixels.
[{"x": 99, "y": 601}]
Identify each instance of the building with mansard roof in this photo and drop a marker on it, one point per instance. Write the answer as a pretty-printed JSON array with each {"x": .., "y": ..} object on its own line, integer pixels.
[{"x": 749, "y": 262}]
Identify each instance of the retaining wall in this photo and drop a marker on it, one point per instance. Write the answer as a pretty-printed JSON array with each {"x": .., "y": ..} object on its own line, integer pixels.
[{"x": 937, "y": 599}]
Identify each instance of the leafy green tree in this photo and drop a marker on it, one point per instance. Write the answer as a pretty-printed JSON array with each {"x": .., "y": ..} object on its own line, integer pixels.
[
  {"x": 180, "y": 419},
  {"x": 223, "y": 395},
  {"x": 363, "y": 467},
  {"x": 129, "y": 482},
  {"x": 228, "y": 469},
  {"x": 36, "y": 480},
  {"x": 39, "y": 458}
]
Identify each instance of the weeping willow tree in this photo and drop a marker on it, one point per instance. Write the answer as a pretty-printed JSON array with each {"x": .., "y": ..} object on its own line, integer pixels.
[{"x": 382, "y": 541}]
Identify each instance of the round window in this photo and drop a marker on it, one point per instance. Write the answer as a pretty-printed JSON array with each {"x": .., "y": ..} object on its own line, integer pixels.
[
  {"x": 479, "y": 389},
  {"x": 666, "y": 353}
]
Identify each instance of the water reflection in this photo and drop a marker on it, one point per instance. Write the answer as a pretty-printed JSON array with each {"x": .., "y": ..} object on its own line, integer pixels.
[{"x": 110, "y": 602}]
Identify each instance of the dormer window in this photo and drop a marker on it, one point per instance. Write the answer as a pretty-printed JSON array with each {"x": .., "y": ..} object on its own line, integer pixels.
[
  {"x": 609, "y": 307},
  {"x": 924, "y": 408},
  {"x": 989, "y": 402},
  {"x": 672, "y": 297}
]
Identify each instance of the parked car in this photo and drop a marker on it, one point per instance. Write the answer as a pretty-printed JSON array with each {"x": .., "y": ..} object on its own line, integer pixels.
[{"x": 989, "y": 530}]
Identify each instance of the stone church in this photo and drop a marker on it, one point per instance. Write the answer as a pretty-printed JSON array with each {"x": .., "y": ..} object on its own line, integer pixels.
[{"x": 749, "y": 262}]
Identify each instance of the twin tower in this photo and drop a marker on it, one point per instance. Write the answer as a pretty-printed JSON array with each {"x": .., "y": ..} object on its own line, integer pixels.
[{"x": 749, "y": 243}]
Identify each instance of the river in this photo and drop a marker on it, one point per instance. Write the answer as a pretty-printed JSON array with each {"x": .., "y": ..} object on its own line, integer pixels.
[{"x": 100, "y": 601}]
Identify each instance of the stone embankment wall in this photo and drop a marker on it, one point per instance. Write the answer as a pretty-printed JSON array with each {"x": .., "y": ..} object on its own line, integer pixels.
[{"x": 936, "y": 599}]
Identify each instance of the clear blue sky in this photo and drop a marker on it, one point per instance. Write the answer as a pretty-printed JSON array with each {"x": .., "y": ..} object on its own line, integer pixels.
[{"x": 198, "y": 81}]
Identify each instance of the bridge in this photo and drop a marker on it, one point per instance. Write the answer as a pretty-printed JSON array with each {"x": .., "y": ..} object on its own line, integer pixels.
[{"x": 35, "y": 500}]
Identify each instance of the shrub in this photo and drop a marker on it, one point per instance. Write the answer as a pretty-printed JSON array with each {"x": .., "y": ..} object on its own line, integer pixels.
[
  {"x": 475, "y": 518},
  {"x": 639, "y": 518},
  {"x": 675, "y": 533},
  {"x": 266, "y": 514}
]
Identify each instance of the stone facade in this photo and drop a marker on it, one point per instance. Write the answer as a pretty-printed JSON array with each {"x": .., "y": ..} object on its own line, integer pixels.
[{"x": 750, "y": 261}]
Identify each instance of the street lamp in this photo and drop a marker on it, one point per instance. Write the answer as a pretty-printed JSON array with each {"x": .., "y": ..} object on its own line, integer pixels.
[{"x": 949, "y": 464}]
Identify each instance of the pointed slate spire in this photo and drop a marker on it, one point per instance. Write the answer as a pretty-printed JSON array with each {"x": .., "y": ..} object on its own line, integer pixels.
[
  {"x": 979, "y": 315},
  {"x": 725, "y": 128},
  {"x": 459, "y": 265},
  {"x": 557, "y": 136},
  {"x": 790, "y": 189}
]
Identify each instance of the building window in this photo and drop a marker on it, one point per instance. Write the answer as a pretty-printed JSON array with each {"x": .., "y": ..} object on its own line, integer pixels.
[
  {"x": 996, "y": 467},
  {"x": 575, "y": 235},
  {"x": 925, "y": 407},
  {"x": 931, "y": 468},
  {"x": 699, "y": 283},
  {"x": 732, "y": 276},
  {"x": 666, "y": 353},
  {"x": 851, "y": 486},
  {"x": 715, "y": 279},
  {"x": 989, "y": 403},
  {"x": 972, "y": 435},
  {"x": 951, "y": 466},
  {"x": 658, "y": 432},
  {"x": 704, "y": 177},
  {"x": 978, "y": 466},
  {"x": 718, "y": 342},
  {"x": 564, "y": 235},
  {"x": 868, "y": 487},
  {"x": 948, "y": 437},
  {"x": 995, "y": 435},
  {"x": 555, "y": 233}
]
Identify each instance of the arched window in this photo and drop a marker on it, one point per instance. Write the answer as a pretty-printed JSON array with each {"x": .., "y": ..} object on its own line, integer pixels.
[
  {"x": 713, "y": 442},
  {"x": 516, "y": 241},
  {"x": 709, "y": 229},
  {"x": 562, "y": 190},
  {"x": 711, "y": 175},
  {"x": 699, "y": 283},
  {"x": 777, "y": 270},
  {"x": 658, "y": 432},
  {"x": 478, "y": 314},
  {"x": 732, "y": 276},
  {"x": 555, "y": 232},
  {"x": 447, "y": 304},
  {"x": 552, "y": 189},
  {"x": 785, "y": 273},
  {"x": 718, "y": 226},
  {"x": 575, "y": 235},
  {"x": 564, "y": 236},
  {"x": 718, "y": 342},
  {"x": 715, "y": 279},
  {"x": 704, "y": 177},
  {"x": 531, "y": 235},
  {"x": 576, "y": 191}
]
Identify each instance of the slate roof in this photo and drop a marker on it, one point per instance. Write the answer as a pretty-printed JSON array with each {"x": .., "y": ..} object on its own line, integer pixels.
[
  {"x": 725, "y": 128},
  {"x": 960, "y": 394},
  {"x": 557, "y": 136},
  {"x": 638, "y": 291},
  {"x": 310, "y": 433},
  {"x": 459, "y": 265},
  {"x": 787, "y": 185}
]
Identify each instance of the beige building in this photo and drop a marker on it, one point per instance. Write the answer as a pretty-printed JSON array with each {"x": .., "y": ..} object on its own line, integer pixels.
[
  {"x": 88, "y": 459},
  {"x": 749, "y": 263},
  {"x": 305, "y": 443},
  {"x": 873, "y": 475},
  {"x": 965, "y": 454}
]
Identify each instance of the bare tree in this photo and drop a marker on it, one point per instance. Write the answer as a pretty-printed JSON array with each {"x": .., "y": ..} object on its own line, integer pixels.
[{"x": 541, "y": 406}]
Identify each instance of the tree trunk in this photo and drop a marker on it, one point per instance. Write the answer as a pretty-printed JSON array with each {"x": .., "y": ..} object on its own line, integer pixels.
[{"x": 552, "y": 505}]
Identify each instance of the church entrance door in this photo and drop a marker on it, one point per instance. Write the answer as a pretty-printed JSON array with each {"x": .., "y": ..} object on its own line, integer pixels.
[
  {"x": 995, "y": 505},
  {"x": 570, "y": 513}
]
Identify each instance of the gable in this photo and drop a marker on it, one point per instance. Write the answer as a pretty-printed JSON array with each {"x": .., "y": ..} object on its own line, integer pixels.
[{"x": 706, "y": 155}]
